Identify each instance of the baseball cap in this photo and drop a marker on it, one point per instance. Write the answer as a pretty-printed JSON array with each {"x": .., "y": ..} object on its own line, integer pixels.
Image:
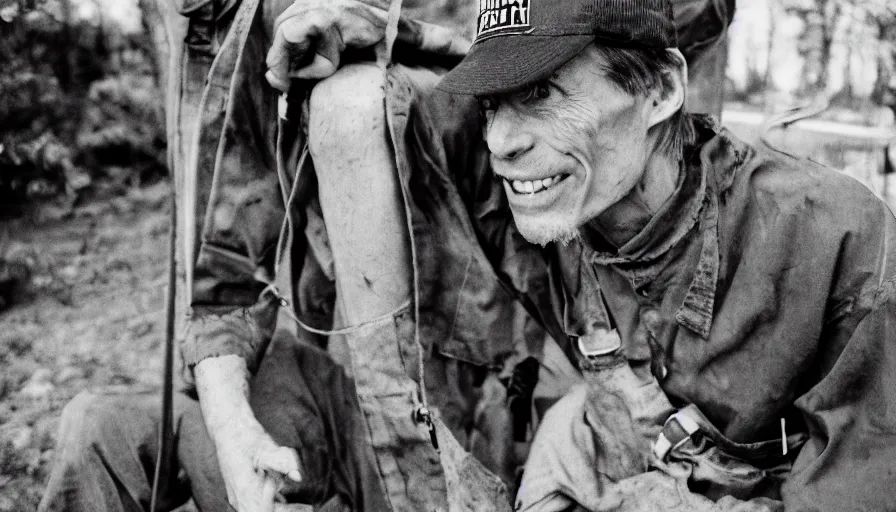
[{"x": 523, "y": 41}]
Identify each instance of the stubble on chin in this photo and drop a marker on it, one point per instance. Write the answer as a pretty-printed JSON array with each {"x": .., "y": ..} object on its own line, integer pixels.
[{"x": 543, "y": 233}]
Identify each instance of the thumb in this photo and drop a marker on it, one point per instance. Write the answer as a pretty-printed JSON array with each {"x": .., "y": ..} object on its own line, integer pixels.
[
  {"x": 279, "y": 459},
  {"x": 325, "y": 62},
  {"x": 269, "y": 490}
]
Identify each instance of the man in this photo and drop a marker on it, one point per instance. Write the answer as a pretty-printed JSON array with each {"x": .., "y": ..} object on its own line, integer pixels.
[
  {"x": 730, "y": 308},
  {"x": 376, "y": 451},
  {"x": 752, "y": 291}
]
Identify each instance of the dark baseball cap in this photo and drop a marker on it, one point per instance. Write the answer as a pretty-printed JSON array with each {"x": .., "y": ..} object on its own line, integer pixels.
[{"x": 519, "y": 42}]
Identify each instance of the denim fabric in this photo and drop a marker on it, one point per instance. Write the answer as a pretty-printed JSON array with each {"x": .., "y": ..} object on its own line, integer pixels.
[
  {"x": 301, "y": 397},
  {"x": 106, "y": 452}
]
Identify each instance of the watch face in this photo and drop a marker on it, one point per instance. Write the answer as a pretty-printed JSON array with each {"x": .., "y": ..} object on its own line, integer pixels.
[{"x": 599, "y": 342}]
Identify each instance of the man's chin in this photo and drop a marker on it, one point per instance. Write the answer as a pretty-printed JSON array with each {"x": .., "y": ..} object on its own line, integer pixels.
[{"x": 543, "y": 233}]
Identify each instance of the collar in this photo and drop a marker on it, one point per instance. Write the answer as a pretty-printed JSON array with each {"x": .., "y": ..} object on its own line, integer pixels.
[
  {"x": 693, "y": 209},
  {"x": 672, "y": 222}
]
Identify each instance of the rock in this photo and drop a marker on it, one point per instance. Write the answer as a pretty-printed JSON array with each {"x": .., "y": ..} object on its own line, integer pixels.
[
  {"x": 37, "y": 390},
  {"x": 123, "y": 205},
  {"x": 140, "y": 328},
  {"x": 41, "y": 375},
  {"x": 31, "y": 456},
  {"x": 5, "y": 412},
  {"x": 6, "y": 503},
  {"x": 68, "y": 375},
  {"x": 69, "y": 272},
  {"x": 20, "y": 438}
]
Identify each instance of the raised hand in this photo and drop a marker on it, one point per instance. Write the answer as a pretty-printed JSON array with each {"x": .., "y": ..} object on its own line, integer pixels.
[{"x": 310, "y": 36}]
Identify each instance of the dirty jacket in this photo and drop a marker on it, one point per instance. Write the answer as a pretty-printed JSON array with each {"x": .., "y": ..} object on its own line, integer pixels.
[
  {"x": 764, "y": 289},
  {"x": 223, "y": 136},
  {"x": 764, "y": 292}
]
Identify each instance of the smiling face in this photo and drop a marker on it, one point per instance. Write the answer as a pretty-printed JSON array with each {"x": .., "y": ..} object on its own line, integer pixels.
[{"x": 569, "y": 148}]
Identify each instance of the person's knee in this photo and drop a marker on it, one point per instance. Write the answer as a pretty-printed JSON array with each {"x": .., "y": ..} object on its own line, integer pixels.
[
  {"x": 89, "y": 420},
  {"x": 345, "y": 110}
]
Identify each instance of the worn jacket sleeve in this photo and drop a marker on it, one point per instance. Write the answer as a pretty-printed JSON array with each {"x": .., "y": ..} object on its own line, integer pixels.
[
  {"x": 848, "y": 462},
  {"x": 229, "y": 200}
]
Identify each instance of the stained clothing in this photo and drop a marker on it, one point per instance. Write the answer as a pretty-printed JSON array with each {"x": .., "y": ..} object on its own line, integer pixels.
[
  {"x": 763, "y": 291},
  {"x": 719, "y": 237},
  {"x": 305, "y": 400},
  {"x": 229, "y": 183}
]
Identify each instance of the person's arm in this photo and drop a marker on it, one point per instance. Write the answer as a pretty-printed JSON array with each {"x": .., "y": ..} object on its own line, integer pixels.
[
  {"x": 850, "y": 408},
  {"x": 848, "y": 461},
  {"x": 232, "y": 209},
  {"x": 251, "y": 462}
]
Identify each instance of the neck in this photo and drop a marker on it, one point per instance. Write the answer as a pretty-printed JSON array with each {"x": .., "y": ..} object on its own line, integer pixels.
[{"x": 625, "y": 219}]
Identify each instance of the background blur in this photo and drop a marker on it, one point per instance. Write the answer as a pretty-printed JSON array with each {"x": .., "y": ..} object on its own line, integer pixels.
[{"x": 83, "y": 210}]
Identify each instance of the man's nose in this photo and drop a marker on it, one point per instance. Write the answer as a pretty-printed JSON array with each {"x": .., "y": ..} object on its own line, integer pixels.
[{"x": 506, "y": 135}]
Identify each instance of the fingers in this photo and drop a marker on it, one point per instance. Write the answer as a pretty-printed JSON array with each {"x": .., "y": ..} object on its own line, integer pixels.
[
  {"x": 310, "y": 36},
  {"x": 269, "y": 490},
  {"x": 325, "y": 61},
  {"x": 291, "y": 50},
  {"x": 279, "y": 459}
]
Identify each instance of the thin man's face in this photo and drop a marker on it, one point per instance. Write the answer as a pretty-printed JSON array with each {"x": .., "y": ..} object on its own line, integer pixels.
[{"x": 568, "y": 148}]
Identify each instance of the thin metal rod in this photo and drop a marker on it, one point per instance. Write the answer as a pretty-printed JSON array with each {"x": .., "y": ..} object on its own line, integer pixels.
[{"x": 166, "y": 426}]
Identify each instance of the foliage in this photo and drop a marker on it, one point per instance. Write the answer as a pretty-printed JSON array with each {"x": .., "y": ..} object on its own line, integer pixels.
[
  {"x": 77, "y": 97},
  {"x": 842, "y": 47},
  {"x": 120, "y": 127},
  {"x": 827, "y": 22}
]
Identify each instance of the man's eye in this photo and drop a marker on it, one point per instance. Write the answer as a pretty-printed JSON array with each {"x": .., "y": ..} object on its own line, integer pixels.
[
  {"x": 538, "y": 91},
  {"x": 487, "y": 104}
]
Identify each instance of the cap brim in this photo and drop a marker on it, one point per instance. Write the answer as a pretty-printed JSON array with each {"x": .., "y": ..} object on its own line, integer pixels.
[{"x": 506, "y": 63}]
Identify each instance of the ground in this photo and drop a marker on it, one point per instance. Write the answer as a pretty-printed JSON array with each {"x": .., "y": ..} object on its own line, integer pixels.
[{"x": 91, "y": 314}]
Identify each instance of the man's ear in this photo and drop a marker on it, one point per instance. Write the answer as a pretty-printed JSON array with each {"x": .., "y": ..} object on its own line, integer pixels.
[{"x": 668, "y": 97}]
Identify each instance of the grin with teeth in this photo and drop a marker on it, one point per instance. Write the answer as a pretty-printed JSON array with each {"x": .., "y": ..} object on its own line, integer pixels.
[{"x": 536, "y": 186}]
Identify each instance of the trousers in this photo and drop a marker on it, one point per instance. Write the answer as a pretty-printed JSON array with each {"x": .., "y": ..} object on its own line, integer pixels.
[{"x": 108, "y": 438}]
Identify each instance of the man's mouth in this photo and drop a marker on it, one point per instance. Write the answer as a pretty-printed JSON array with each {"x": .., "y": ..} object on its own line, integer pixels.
[{"x": 535, "y": 186}]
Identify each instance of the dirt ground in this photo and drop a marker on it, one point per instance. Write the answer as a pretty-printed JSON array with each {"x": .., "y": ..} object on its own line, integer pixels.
[{"x": 91, "y": 314}]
